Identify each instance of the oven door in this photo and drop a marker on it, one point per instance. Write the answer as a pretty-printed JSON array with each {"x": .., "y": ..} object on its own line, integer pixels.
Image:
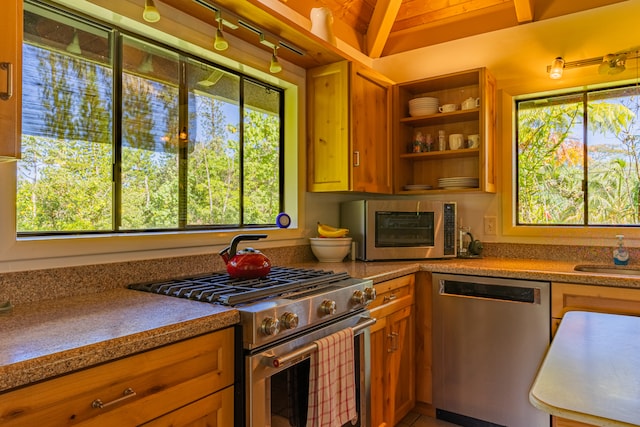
[{"x": 277, "y": 378}]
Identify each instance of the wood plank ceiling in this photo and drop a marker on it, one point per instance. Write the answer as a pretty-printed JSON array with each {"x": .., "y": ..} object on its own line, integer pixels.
[{"x": 385, "y": 27}]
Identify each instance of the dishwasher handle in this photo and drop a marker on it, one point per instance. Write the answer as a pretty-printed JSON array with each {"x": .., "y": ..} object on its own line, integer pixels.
[{"x": 507, "y": 293}]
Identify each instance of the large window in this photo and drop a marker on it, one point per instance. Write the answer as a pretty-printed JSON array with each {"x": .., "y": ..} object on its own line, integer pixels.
[
  {"x": 122, "y": 134},
  {"x": 578, "y": 159}
]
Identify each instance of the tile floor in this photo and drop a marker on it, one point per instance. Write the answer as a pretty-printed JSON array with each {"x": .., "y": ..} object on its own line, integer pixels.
[{"x": 413, "y": 419}]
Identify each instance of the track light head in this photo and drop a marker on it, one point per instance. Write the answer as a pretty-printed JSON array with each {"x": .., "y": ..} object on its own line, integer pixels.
[
  {"x": 150, "y": 13},
  {"x": 557, "y": 67}
]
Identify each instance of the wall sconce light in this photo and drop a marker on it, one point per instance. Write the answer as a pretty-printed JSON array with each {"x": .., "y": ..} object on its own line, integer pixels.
[
  {"x": 274, "y": 66},
  {"x": 556, "y": 69},
  {"x": 150, "y": 13},
  {"x": 220, "y": 43},
  {"x": 74, "y": 46},
  {"x": 183, "y": 134}
]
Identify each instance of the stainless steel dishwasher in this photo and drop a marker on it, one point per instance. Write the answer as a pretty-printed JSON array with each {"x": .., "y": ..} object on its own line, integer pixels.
[{"x": 489, "y": 338}]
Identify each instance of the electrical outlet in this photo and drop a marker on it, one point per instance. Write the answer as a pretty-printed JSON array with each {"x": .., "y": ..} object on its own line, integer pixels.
[{"x": 490, "y": 225}]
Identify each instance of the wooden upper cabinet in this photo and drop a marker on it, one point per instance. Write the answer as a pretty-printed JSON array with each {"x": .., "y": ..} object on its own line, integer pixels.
[
  {"x": 348, "y": 125},
  {"x": 10, "y": 80},
  {"x": 426, "y": 167}
]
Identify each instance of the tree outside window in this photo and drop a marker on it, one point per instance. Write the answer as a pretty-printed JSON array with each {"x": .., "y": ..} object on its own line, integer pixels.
[{"x": 578, "y": 159}]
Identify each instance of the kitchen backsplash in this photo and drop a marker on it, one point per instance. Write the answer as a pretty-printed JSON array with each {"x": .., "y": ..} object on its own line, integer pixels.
[{"x": 36, "y": 285}]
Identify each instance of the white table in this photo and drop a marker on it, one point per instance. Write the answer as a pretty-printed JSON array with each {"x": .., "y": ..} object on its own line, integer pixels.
[{"x": 591, "y": 372}]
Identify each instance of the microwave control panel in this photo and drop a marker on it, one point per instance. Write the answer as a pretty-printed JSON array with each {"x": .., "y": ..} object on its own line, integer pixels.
[{"x": 449, "y": 214}]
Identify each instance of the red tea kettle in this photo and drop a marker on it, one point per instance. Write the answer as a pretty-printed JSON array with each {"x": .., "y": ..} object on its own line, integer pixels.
[{"x": 248, "y": 263}]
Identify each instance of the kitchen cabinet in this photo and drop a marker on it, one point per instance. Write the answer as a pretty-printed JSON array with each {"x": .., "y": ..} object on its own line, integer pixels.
[
  {"x": 393, "y": 351},
  {"x": 569, "y": 296},
  {"x": 425, "y": 168},
  {"x": 349, "y": 132},
  {"x": 424, "y": 338},
  {"x": 10, "y": 80},
  {"x": 187, "y": 383}
]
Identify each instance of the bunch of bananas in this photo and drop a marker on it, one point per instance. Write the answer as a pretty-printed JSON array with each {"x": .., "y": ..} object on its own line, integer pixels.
[{"x": 325, "y": 230}]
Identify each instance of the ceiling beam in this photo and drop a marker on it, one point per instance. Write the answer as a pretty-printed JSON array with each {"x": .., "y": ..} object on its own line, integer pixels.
[
  {"x": 384, "y": 15},
  {"x": 524, "y": 10}
]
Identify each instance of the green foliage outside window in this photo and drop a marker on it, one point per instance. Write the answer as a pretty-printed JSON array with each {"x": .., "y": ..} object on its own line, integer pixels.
[
  {"x": 180, "y": 151},
  {"x": 578, "y": 159}
]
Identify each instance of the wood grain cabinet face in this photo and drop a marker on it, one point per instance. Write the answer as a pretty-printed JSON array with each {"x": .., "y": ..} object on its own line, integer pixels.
[
  {"x": 427, "y": 167},
  {"x": 348, "y": 125},
  {"x": 10, "y": 80},
  {"x": 197, "y": 374},
  {"x": 393, "y": 351},
  {"x": 570, "y": 296}
]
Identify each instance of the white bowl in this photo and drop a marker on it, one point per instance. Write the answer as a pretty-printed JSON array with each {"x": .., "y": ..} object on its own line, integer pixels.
[{"x": 330, "y": 249}]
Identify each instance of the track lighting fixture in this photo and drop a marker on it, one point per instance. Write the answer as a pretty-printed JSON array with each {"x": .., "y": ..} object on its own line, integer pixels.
[
  {"x": 220, "y": 43},
  {"x": 74, "y": 46},
  {"x": 557, "y": 67},
  {"x": 274, "y": 66},
  {"x": 613, "y": 63},
  {"x": 150, "y": 13}
]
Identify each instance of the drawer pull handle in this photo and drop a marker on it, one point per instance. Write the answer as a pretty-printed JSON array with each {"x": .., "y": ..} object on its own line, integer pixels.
[
  {"x": 393, "y": 336},
  {"x": 389, "y": 298},
  {"x": 9, "y": 93},
  {"x": 98, "y": 404}
]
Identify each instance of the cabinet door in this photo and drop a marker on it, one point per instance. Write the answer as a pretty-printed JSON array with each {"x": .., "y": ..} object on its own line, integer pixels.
[
  {"x": 401, "y": 375},
  {"x": 328, "y": 128},
  {"x": 370, "y": 132},
  {"x": 378, "y": 371},
  {"x": 10, "y": 80}
]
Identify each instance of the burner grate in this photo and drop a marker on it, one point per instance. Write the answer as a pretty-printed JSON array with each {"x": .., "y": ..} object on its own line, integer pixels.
[{"x": 219, "y": 287}]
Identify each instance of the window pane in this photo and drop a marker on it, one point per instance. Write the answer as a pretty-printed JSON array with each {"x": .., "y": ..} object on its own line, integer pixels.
[
  {"x": 214, "y": 147},
  {"x": 150, "y": 103},
  {"x": 550, "y": 161},
  {"x": 614, "y": 157},
  {"x": 261, "y": 154},
  {"x": 64, "y": 177}
]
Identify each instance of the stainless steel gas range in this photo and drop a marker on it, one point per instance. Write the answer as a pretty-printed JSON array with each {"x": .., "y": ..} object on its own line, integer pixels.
[{"x": 281, "y": 315}]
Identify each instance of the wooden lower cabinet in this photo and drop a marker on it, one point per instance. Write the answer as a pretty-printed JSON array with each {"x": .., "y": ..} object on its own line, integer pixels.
[
  {"x": 393, "y": 351},
  {"x": 570, "y": 297},
  {"x": 189, "y": 383}
]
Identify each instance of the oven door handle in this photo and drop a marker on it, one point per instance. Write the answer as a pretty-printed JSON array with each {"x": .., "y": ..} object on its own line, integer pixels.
[{"x": 276, "y": 362}]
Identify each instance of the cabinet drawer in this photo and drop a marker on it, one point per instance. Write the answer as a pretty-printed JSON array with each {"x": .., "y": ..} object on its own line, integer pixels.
[
  {"x": 131, "y": 390},
  {"x": 392, "y": 295},
  {"x": 213, "y": 410},
  {"x": 566, "y": 297}
]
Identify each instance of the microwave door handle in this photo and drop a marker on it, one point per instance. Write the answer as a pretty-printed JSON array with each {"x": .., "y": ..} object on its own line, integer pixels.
[{"x": 276, "y": 362}]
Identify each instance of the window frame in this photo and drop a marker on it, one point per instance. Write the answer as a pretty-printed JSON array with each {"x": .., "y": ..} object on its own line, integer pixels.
[
  {"x": 598, "y": 235},
  {"x": 193, "y": 36}
]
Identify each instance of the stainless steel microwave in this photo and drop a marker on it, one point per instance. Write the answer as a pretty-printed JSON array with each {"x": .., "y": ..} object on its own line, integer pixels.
[{"x": 400, "y": 229}]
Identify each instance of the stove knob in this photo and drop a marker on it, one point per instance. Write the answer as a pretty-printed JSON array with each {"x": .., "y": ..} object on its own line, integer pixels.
[
  {"x": 328, "y": 307},
  {"x": 289, "y": 320},
  {"x": 358, "y": 297},
  {"x": 270, "y": 326},
  {"x": 369, "y": 294}
]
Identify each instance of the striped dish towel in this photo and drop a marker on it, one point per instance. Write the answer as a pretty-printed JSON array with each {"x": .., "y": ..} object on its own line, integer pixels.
[{"x": 332, "y": 401}]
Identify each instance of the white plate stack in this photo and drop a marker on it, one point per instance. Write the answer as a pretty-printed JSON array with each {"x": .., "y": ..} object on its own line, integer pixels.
[
  {"x": 458, "y": 182},
  {"x": 423, "y": 106}
]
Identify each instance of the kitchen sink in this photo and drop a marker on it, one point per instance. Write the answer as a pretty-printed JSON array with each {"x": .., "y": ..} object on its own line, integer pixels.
[{"x": 624, "y": 270}]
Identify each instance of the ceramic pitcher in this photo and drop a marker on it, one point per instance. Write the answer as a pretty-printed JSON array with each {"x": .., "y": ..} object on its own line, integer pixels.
[{"x": 321, "y": 24}]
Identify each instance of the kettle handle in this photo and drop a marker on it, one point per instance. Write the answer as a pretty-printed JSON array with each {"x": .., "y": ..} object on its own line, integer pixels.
[{"x": 232, "y": 249}]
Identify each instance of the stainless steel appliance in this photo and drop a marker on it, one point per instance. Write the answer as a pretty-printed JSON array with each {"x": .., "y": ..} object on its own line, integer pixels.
[
  {"x": 489, "y": 337},
  {"x": 280, "y": 317},
  {"x": 401, "y": 229}
]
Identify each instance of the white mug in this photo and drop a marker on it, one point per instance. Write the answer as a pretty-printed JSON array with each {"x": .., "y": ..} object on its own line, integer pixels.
[
  {"x": 447, "y": 108},
  {"x": 455, "y": 141},
  {"x": 474, "y": 141}
]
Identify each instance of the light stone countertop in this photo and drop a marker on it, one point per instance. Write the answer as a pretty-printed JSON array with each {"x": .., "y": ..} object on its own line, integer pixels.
[
  {"x": 590, "y": 373},
  {"x": 44, "y": 339}
]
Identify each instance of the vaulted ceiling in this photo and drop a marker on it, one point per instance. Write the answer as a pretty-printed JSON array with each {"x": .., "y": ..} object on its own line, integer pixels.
[{"x": 380, "y": 28}]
